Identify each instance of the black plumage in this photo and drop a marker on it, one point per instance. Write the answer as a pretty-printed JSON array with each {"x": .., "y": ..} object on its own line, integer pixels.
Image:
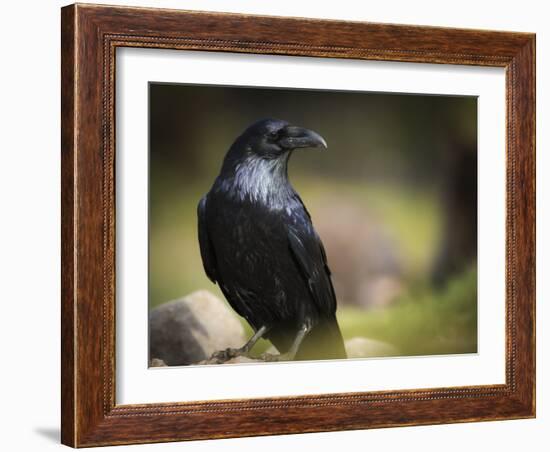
[{"x": 258, "y": 243}]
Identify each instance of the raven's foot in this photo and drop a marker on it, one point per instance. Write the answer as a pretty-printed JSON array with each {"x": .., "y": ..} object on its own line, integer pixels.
[{"x": 223, "y": 356}]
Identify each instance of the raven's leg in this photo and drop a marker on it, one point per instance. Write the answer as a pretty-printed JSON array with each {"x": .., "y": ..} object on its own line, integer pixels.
[
  {"x": 291, "y": 353},
  {"x": 228, "y": 353}
]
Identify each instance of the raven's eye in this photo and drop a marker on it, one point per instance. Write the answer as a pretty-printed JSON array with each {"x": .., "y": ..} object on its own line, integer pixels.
[{"x": 273, "y": 135}]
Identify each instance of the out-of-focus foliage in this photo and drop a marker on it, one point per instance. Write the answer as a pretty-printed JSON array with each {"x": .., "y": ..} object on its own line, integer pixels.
[
  {"x": 423, "y": 321},
  {"x": 384, "y": 198}
]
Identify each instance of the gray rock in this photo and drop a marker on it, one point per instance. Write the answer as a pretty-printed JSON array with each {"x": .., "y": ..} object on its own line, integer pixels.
[
  {"x": 155, "y": 362},
  {"x": 236, "y": 360},
  {"x": 356, "y": 347},
  {"x": 188, "y": 330},
  {"x": 363, "y": 347}
]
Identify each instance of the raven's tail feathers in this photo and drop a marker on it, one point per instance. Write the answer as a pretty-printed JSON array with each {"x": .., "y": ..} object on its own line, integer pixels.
[{"x": 324, "y": 341}]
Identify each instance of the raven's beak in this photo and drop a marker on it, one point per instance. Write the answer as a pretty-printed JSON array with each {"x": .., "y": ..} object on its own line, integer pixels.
[{"x": 299, "y": 137}]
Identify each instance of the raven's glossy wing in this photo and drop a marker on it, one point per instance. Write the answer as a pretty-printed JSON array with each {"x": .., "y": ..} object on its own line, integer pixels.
[
  {"x": 309, "y": 254},
  {"x": 207, "y": 251}
]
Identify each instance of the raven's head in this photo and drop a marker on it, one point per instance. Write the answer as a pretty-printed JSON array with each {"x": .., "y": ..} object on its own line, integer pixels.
[
  {"x": 255, "y": 168},
  {"x": 274, "y": 138}
]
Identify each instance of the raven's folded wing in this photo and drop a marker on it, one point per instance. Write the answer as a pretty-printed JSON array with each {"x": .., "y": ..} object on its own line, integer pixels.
[
  {"x": 309, "y": 254},
  {"x": 207, "y": 251}
]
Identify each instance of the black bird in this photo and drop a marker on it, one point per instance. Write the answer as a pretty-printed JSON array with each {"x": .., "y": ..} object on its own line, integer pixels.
[{"x": 258, "y": 243}]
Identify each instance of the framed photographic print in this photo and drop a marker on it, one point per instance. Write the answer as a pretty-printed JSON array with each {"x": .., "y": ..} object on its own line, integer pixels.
[{"x": 281, "y": 225}]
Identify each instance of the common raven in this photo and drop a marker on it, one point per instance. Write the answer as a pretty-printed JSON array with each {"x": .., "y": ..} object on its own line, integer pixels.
[{"x": 258, "y": 243}]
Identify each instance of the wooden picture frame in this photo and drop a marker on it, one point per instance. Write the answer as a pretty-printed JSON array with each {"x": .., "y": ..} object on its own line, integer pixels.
[{"x": 90, "y": 36}]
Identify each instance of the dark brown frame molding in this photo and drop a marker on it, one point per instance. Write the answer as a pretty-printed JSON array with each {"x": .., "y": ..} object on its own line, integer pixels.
[{"x": 90, "y": 35}]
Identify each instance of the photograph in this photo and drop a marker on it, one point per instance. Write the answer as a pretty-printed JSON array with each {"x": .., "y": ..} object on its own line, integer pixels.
[
  {"x": 286, "y": 222},
  {"x": 303, "y": 225}
]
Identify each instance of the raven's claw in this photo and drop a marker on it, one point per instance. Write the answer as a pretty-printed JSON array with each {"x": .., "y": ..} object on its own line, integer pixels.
[{"x": 227, "y": 354}]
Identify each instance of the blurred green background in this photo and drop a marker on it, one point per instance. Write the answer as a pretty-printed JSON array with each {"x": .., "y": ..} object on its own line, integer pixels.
[{"x": 394, "y": 200}]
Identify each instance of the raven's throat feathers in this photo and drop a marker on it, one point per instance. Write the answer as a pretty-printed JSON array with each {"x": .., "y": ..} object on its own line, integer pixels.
[{"x": 257, "y": 179}]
